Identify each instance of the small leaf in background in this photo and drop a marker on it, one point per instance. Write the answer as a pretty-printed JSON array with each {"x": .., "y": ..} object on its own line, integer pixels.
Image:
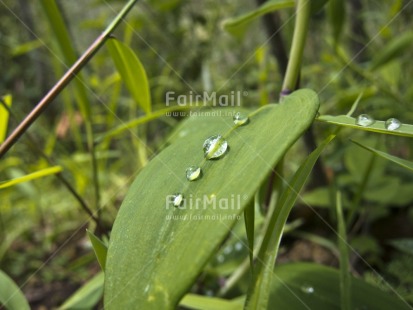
[
  {"x": 404, "y": 245},
  {"x": 4, "y": 116},
  {"x": 87, "y": 296},
  {"x": 238, "y": 26},
  {"x": 32, "y": 176},
  {"x": 312, "y": 286},
  {"x": 336, "y": 10},
  {"x": 143, "y": 268},
  {"x": 406, "y": 130},
  {"x": 260, "y": 286},
  {"x": 401, "y": 162},
  {"x": 100, "y": 249},
  {"x": 11, "y": 297},
  {"x": 132, "y": 72},
  {"x": 392, "y": 50}
]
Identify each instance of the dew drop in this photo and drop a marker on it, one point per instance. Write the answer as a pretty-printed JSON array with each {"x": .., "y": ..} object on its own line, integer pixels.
[
  {"x": 392, "y": 124},
  {"x": 364, "y": 120},
  {"x": 238, "y": 246},
  {"x": 193, "y": 173},
  {"x": 215, "y": 147},
  {"x": 307, "y": 289},
  {"x": 240, "y": 119},
  {"x": 177, "y": 199}
]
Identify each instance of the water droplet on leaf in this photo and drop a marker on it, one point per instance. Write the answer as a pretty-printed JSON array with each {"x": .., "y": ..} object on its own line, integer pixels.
[
  {"x": 307, "y": 289},
  {"x": 392, "y": 124},
  {"x": 238, "y": 246},
  {"x": 193, "y": 173},
  {"x": 364, "y": 120},
  {"x": 177, "y": 199},
  {"x": 215, "y": 147},
  {"x": 240, "y": 119}
]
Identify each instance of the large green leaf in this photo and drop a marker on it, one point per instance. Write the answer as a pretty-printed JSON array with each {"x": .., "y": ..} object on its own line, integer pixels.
[
  {"x": 312, "y": 286},
  {"x": 132, "y": 72},
  {"x": 156, "y": 251},
  {"x": 10, "y": 295}
]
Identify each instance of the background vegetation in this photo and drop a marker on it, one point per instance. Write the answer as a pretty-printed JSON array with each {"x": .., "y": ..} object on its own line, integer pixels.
[{"x": 183, "y": 47}]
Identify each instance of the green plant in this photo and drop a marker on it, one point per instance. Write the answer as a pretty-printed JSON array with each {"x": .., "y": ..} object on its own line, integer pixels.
[{"x": 211, "y": 242}]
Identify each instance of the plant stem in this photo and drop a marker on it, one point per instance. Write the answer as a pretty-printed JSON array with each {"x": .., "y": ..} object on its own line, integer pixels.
[
  {"x": 64, "y": 81},
  {"x": 297, "y": 47}
]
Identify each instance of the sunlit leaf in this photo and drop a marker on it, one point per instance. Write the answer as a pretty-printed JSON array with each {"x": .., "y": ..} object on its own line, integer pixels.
[
  {"x": 32, "y": 176},
  {"x": 4, "y": 116}
]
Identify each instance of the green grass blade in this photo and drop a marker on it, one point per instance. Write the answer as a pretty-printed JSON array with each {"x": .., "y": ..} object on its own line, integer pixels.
[
  {"x": 260, "y": 287},
  {"x": 237, "y": 26},
  {"x": 143, "y": 268},
  {"x": 405, "y": 130},
  {"x": 345, "y": 284},
  {"x": 32, "y": 176},
  {"x": 11, "y": 297},
  {"x": 400, "y": 161},
  {"x": 87, "y": 296},
  {"x": 100, "y": 249},
  {"x": 132, "y": 72},
  {"x": 4, "y": 116},
  {"x": 126, "y": 126}
]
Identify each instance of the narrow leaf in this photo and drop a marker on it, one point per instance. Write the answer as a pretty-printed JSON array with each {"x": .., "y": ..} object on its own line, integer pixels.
[
  {"x": 4, "y": 116},
  {"x": 87, "y": 296},
  {"x": 152, "y": 241},
  {"x": 132, "y": 72},
  {"x": 99, "y": 247},
  {"x": 11, "y": 297},
  {"x": 237, "y": 26},
  {"x": 260, "y": 287},
  {"x": 400, "y": 161},
  {"x": 32, "y": 176},
  {"x": 392, "y": 50},
  {"x": 345, "y": 285},
  {"x": 405, "y": 130}
]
